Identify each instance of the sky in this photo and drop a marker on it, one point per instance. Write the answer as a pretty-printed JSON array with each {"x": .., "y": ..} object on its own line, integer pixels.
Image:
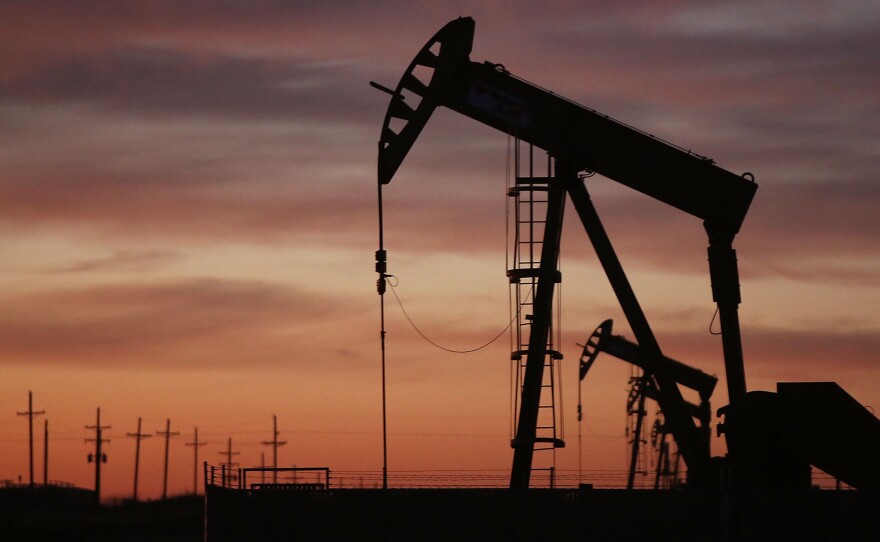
[{"x": 188, "y": 219}]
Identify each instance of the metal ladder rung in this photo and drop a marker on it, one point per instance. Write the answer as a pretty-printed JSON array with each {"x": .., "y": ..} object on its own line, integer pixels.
[{"x": 530, "y": 221}]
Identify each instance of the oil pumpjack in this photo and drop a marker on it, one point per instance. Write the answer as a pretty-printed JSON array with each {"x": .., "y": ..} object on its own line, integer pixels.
[
  {"x": 773, "y": 438},
  {"x": 771, "y": 441}
]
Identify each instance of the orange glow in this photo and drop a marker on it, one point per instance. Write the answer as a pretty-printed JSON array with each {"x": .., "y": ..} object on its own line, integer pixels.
[{"x": 188, "y": 220}]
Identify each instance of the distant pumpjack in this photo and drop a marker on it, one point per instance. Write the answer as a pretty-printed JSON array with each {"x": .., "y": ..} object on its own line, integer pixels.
[{"x": 602, "y": 340}]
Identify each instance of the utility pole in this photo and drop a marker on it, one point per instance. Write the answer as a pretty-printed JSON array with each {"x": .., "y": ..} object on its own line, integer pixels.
[
  {"x": 229, "y": 464},
  {"x": 274, "y": 443},
  {"x": 98, "y": 457},
  {"x": 45, "y": 452},
  {"x": 196, "y": 444},
  {"x": 138, "y": 436},
  {"x": 167, "y": 434},
  {"x": 31, "y": 414}
]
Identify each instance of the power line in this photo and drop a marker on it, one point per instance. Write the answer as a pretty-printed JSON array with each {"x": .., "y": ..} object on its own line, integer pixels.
[{"x": 440, "y": 346}]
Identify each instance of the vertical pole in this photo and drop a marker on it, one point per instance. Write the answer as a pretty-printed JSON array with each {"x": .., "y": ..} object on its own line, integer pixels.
[
  {"x": 137, "y": 459},
  {"x": 138, "y": 436},
  {"x": 168, "y": 434},
  {"x": 45, "y": 452},
  {"x": 381, "y": 268},
  {"x": 31, "y": 414},
  {"x": 99, "y": 455},
  {"x": 98, "y": 458},
  {"x": 31, "y": 437},
  {"x": 526, "y": 429},
  {"x": 227, "y": 467},
  {"x": 275, "y": 443},
  {"x": 274, "y": 449},
  {"x": 196, "y": 444}
]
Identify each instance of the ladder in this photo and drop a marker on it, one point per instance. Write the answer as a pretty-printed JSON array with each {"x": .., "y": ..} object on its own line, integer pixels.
[
  {"x": 529, "y": 204},
  {"x": 635, "y": 430}
]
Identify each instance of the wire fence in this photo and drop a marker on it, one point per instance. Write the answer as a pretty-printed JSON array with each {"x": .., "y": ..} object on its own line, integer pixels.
[{"x": 451, "y": 478}]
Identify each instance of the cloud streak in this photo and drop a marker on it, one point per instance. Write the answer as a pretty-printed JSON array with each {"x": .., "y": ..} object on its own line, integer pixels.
[{"x": 182, "y": 324}]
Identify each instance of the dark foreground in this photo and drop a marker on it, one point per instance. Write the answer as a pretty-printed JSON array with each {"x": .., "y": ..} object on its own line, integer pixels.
[
  {"x": 69, "y": 514},
  {"x": 444, "y": 514},
  {"x": 555, "y": 515}
]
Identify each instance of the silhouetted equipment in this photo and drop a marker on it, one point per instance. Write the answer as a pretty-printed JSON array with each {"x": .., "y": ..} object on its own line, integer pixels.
[
  {"x": 167, "y": 434},
  {"x": 534, "y": 253},
  {"x": 666, "y": 468},
  {"x": 31, "y": 414},
  {"x": 98, "y": 457},
  {"x": 602, "y": 340},
  {"x": 196, "y": 444},
  {"x": 382, "y": 270},
  {"x": 774, "y": 438},
  {"x": 275, "y": 443},
  {"x": 639, "y": 386},
  {"x": 138, "y": 436},
  {"x": 581, "y": 142},
  {"x": 579, "y": 139}
]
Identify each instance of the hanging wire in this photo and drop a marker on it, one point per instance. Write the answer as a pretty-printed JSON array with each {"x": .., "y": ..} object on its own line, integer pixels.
[
  {"x": 712, "y": 323},
  {"x": 580, "y": 418},
  {"x": 440, "y": 346}
]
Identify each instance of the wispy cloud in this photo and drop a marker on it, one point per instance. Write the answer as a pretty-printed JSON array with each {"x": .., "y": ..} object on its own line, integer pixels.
[
  {"x": 128, "y": 261},
  {"x": 183, "y": 324}
]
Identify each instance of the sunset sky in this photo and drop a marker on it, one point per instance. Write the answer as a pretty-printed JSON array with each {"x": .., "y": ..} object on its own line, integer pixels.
[{"x": 188, "y": 220}]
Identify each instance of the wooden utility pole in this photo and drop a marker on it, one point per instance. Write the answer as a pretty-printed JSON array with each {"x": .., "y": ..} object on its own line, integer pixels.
[
  {"x": 167, "y": 434},
  {"x": 138, "y": 436},
  {"x": 45, "y": 452},
  {"x": 274, "y": 443},
  {"x": 229, "y": 464},
  {"x": 31, "y": 414},
  {"x": 196, "y": 444},
  {"x": 99, "y": 457}
]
